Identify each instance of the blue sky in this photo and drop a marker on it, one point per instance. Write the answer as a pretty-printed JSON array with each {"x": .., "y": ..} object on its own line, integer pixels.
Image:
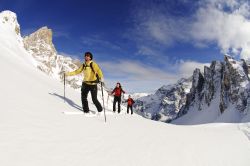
[{"x": 142, "y": 44}]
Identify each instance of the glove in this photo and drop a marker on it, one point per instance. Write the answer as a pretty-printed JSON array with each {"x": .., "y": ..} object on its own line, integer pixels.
[
  {"x": 61, "y": 73},
  {"x": 66, "y": 74}
]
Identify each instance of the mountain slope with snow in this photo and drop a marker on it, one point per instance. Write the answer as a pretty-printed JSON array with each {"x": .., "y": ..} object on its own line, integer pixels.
[
  {"x": 166, "y": 103},
  {"x": 219, "y": 94},
  {"x": 34, "y": 131}
]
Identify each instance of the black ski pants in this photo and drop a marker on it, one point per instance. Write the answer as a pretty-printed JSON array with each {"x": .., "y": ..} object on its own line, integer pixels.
[
  {"x": 117, "y": 99},
  {"x": 85, "y": 90},
  {"x": 131, "y": 108}
]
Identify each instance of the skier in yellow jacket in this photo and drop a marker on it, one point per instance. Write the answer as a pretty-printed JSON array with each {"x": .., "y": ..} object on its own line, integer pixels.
[{"x": 92, "y": 75}]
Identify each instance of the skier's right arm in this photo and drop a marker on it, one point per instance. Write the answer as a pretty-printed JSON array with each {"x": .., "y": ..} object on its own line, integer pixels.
[
  {"x": 77, "y": 71},
  {"x": 112, "y": 93}
]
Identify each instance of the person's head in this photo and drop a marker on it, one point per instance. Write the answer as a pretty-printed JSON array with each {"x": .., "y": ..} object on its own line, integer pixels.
[
  {"x": 129, "y": 96},
  {"x": 118, "y": 85},
  {"x": 88, "y": 56}
]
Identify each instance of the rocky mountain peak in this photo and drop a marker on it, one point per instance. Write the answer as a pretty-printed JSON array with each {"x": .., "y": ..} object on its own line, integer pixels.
[
  {"x": 166, "y": 103},
  {"x": 220, "y": 88},
  {"x": 40, "y": 43}
]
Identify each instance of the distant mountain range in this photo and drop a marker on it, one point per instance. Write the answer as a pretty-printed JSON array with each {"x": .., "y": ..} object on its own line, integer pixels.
[{"x": 219, "y": 94}]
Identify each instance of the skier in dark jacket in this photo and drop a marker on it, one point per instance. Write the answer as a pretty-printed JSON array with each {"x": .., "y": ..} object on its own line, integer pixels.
[
  {"x": 130, "y": 102},
  {"x": 117, "y": 92}
]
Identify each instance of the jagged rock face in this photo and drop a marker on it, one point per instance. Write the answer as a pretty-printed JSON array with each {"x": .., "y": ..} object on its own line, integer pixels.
[
  {"x": 205, "y": 87},
  {"x": 40, "y": 42},
  {"x": 234, "y": 84},
  {"x": 41, "y": 47},
  {"x": 222, "y": 86},
  {"x": 224, "y": 81},
  {"x": 175, "y": 99},
  {"x": 196, "y": 89},
  {"x": 166, "y": 103}
]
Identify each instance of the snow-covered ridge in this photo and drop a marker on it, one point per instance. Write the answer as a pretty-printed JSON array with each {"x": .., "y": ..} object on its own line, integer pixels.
[
  {"x": 8, "y": 21},
  {"x": 219, "y": 94},
  {"x": 166, "y": 103},
  {"x": 11, "y": 39}
]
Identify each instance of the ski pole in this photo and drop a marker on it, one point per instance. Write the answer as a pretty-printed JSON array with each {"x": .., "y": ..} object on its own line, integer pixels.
[
  {"x": 108, "y": 99},
  {"x": 103, "y": 101},
  {"x": 64, "y": 86}
]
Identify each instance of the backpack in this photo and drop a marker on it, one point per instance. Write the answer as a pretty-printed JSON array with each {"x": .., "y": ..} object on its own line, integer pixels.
[{"x": 97, "y": 76}]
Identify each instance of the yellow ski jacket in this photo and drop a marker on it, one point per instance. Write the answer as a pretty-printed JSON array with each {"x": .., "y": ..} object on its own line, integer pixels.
[{"x": 89, "y": 74}]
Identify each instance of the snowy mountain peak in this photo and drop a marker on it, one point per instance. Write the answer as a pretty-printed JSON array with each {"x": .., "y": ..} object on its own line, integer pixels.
[
  {"x": 166, "y": 103},
  {"x": 8, "y": 21}
]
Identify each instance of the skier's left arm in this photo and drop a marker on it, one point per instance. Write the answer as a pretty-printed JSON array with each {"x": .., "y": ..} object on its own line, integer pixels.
[{"x": 98, "y": 71}]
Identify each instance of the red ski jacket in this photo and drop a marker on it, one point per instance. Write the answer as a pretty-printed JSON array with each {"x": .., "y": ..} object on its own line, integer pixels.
[
  {"x": 130, "y": 102},
  {"x": 118, "y": 92}
]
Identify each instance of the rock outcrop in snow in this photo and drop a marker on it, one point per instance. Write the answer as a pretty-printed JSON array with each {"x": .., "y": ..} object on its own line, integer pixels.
[
  {"x": 40, "y": 44},
  {"x": 166, "y": 103},
  {"x": 226, "y": 82}
]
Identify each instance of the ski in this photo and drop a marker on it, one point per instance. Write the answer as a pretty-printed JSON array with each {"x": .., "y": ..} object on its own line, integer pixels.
[{"x": 80, "y": 113}]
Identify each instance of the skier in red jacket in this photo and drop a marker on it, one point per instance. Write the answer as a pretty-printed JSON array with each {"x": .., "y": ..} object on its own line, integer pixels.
[
  {"x": 117, "y": 92},
  {"x": 130, "y": 104}
]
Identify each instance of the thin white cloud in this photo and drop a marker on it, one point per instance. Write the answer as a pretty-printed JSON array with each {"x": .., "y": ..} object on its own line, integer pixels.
[
  {"x": 152, "y": 54},
  {"x": 155, "y": 26},
  {"x": 186, "y": 68},
  {"x": 139, "y": 77},
  {"x": 136, "y": 71},
  {"x": 144, "y": 50},
  {"x": 97, "y": 41},
  {"x": 58, "y": 33}
]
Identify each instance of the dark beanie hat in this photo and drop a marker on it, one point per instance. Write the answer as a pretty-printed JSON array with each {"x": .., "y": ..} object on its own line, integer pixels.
[{"x": 89, "y": 54}]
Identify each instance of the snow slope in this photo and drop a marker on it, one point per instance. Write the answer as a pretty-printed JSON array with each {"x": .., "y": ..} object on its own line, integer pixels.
[{"x": 34, "y": 131}]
